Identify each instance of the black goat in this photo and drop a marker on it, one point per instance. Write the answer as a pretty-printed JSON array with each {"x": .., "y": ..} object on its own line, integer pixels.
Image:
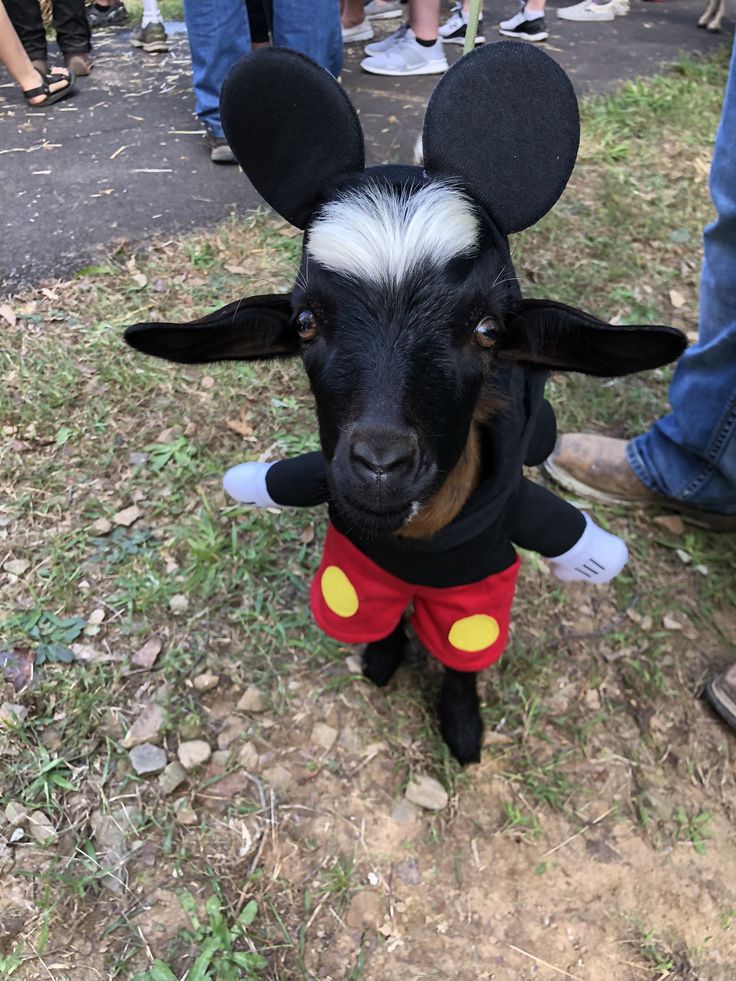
[{"x": 427, "y": 367}]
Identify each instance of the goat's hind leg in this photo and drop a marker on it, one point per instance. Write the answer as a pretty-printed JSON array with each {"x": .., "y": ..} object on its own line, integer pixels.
[
  {"x": 459, "y": 714},
  {"x": 382, "y": 657}
]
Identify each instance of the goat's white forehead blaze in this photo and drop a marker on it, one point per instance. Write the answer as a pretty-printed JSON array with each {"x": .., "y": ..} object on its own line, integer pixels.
[{"x": 376, "y": 234}]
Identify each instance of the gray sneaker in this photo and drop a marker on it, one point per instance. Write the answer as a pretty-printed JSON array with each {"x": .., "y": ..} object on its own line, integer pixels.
[
  {"x": 408, "y": 57},
  {"x": 220, "y": 152},
  {"x": 151, "y": 37},
  {"x": 378, "y": 47},
  {"x": 383, "y": 9}
]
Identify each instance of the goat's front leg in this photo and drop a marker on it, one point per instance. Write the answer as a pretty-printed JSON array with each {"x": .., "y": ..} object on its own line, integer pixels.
[
  {"x": 382, "y": 657},
  {"x": 459, "y": 713}
]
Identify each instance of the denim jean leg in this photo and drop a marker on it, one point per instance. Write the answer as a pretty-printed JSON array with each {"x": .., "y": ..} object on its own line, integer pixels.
[
  {"x": 312, "y": 27},
  {"x": 690, "y": 454},
  {"x": 218, "y": 36}
]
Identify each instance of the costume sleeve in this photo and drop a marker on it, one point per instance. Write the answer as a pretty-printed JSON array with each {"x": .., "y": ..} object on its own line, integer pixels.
[
  {"x": 544, "y": 436},
  {"x": 576, "y": 547},
  {"x": 298, "y": 482}
]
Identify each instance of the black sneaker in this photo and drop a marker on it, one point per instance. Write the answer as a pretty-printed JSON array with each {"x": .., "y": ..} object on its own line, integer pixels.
[
  {"x": 220, "y": 152},
  {"x": 112, "y": 16},
  {"x": 527, "y": 30},
  {"x": 454, "y": 29}
]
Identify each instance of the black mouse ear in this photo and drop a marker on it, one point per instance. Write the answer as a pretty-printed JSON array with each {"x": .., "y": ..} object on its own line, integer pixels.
[
  {"x": 504, "y": 121},
  {"x": 292, "y": 128}
]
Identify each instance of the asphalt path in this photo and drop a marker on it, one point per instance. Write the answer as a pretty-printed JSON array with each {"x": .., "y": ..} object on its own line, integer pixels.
[{"x": 124, "y": 160}]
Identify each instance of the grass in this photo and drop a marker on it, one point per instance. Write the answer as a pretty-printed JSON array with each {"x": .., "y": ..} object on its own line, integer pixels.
[{"x": 89, "y": 430}]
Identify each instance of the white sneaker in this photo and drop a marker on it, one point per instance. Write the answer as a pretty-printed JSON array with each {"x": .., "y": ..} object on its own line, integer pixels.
[
  {"x": 454, "y": 29},
  {"x": 378, "y": 47},
  {"x": 383, "y": 9},
  {"x": 588, "y": 10},
  {"x": 408, "y": 58},
  {"x": 361, "y": 32}
]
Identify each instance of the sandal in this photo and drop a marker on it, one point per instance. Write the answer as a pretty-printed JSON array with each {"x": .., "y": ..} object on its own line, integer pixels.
[{"x": 47, "y": 80}]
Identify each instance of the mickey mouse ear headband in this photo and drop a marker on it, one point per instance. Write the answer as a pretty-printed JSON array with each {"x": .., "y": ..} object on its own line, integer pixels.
[{"x": 503, "y": 122}]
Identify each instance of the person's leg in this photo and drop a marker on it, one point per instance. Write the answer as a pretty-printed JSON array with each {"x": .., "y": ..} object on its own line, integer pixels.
[
  {"x": 72, "y": 28},
  {"x": 315, "y": 32},
  {"x": 107, "y": 13},
  {"x": 218, "y": 36},
  {"x": 15, "y": 58},
  {"x": 151, "y": 35},
  {"x": 355, "y": 23},
  {"x": 454, "y": 29},
  {"x": 416, "y": 51},
  {"x": 690, "y": 454},
  {"x": 26, "y": 19}
]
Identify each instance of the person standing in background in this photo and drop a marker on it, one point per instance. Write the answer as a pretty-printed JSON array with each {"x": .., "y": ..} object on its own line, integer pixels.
[{"x": 72, "y": 33}]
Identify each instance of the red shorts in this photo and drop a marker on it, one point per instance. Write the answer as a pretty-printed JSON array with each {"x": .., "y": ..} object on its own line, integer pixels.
[{"x": 464, "y": 627}]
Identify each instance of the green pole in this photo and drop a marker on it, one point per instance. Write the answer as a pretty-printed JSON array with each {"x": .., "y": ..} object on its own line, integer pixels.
[{"x": 471, "y": 31}]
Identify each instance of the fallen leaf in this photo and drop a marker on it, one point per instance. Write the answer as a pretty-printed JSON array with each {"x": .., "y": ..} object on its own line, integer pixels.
[
  {"x": 677, "y": 299},
  {"x": 139, "y": 279},
  {"x": 240, "y": 426},
  {"x": 669, "y": 622},
  {"x": 16, "y": 567},
  {"x": 127, "y": 516},
  {"x": 235, "y": 270},
  {"x": 145, "y": 656},
  {"x": 17, "y": 666},
  {"x": 307, "y": 535},
  {"x": 7, "y": 313}
]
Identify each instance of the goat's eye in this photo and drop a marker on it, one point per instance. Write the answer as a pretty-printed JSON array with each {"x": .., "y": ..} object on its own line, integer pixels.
[
  {"x": 307, "y": 325},
  {"x": 487, "y": 332}
]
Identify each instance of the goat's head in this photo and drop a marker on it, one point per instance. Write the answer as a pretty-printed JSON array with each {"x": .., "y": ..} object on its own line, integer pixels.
[{"x": 406, "y": 309}]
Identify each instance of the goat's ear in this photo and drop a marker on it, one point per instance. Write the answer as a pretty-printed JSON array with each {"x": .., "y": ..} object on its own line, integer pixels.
[
  {"x": 247, "y": 330},
  {"x": 504, "y": 121},
  {"x": 563, "y": 338},
  {"x": 292, "y": 129}
]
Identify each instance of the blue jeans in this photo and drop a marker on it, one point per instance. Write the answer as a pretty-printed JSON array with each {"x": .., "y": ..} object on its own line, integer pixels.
[
  {"x": 690, "y": 454},
  {"x": 219, "y": 35}
]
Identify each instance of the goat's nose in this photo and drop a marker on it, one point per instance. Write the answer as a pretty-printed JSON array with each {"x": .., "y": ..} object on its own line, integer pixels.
[{"x": 383, "y": 453}]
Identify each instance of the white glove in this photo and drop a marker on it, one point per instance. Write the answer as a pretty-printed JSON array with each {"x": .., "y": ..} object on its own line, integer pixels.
[
  {"x": 247, "y": 483},
  {"x": 597, "y": 556}
]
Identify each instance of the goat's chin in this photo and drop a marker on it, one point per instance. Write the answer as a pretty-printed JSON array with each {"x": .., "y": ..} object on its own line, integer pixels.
[{"x": 372, "y": 521}]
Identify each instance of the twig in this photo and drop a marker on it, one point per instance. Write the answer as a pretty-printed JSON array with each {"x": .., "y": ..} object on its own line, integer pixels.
[
  {"x": 539, "y": 960},
  {"x": 577, "y": 834}
]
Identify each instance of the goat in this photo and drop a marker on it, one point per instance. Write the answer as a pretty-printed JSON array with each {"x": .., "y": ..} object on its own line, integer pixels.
[
  {"x": 426, "y": 365},
  {"x": 712, "y": 16}
]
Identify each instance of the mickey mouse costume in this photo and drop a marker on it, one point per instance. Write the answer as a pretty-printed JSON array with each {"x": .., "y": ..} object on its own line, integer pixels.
[{"x": 299, "y": 140}]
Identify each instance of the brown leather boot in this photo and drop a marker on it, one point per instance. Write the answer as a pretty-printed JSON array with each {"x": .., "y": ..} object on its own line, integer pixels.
[
  {"x": 595, "y": 467},
  {"x": 81, "y": 62}
]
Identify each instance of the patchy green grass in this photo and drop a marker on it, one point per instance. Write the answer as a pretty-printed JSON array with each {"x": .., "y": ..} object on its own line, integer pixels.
[{"x": 601, "y": 768}]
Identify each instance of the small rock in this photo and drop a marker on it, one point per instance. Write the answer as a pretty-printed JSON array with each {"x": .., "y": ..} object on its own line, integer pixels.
[
  {"x": 137, "y": 459},
  {"x": 16, "y": 567},
  {"x": 231, "y": 731},
  {"x": 427, "y": 792},
  {"x": 193, "y": 753},
  {"x": 147, "y": 759},
  {"x": 145, "y": 656},
  {"x": 324, "y": 736},
  {"x": 354, "y": 664},
  {"x": 185, "y": 813},
  {"x": 672, "y": 522},
  {"x": 172, "y": 778},
  {"x": 366, "y": 910},
  {"x": 633, "y": 614},
  {"x": 12, "y": 714},
  {"x": 206, "y": 682},
  {"x": 248, "y": 756},
  {"x": 110, "y": 848},
  {"x": 220, "y": 758},
  {"x": 101, "y": 527},
  {"x": 409, "y": 872},
  {"x": 40, "y": 828},
  {"x": 178, "y": 603},
  {"x": 646, "y": 624},
  {"x": 278, "y": 777},
  {"x": 252, "y": 700},
  {"x": 128, "y": 516},
  {"x": 96, "y": 617},
  {"x": 592, "y": 700},
  {"x": 146, "y": 727},
  {"x": 15, "y": 813},
  {"x": 405, "y": 812},
  {"x": 684, "y": 557}
]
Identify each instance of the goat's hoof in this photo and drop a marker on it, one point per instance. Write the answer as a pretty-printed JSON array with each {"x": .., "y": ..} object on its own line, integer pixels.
[
  {"x": 381, "y": 659},
  {"x": 462, "y": 729}
]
